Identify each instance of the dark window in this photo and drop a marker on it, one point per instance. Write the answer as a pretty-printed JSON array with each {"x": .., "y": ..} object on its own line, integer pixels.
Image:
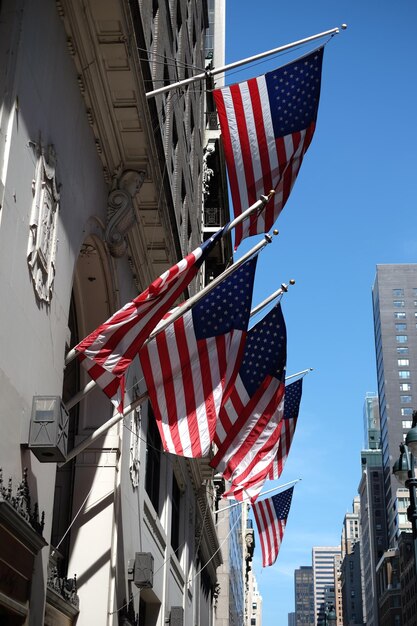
[
  {"x": 175, "y": 519},
  {"x": 153, "y": 458}
]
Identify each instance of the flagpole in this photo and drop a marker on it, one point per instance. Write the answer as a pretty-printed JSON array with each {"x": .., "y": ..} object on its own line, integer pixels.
[
  {"x": 227, "y": 508},
  {"x": 259, "y": 204},
  {"x": 180, "y": 310},
  {"x": 230, "y": 66},
  {"x": 278, "y": 292},
  {"x": 118, "y": 416},
  {"x": 302, "y": 373},
  {"x": 104, "y": 428},
  {"x": 203, "y": 292}
]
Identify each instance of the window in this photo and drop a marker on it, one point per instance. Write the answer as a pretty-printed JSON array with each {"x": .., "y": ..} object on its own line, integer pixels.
[
  {"x": 175, "y": 517},
  {"x": 405, "y": 399},
  {"x": 153, "y": 454},
  {"x": 398, "y": 304},
  {"x": 402, "y": 350},
  {"x": 400, "y": 315},
  {"x": 404, "y": 373},
  {"x": 407, "y": 423},
  {"x": 405, "y": 387},
  {"x": 401, "y": 338},
  {"x": 400, "y": 327},
  {"x": 403, "y": 362},
  {"x": 398, "y": 293},
  {"x": 405, "y": 412}
]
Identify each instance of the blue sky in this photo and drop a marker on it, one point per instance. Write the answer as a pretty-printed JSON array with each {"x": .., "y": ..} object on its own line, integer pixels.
[{"x": 353, "y": 206}]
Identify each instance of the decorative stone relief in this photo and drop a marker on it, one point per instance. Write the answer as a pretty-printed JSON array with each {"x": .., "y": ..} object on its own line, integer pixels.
[
  {"x": 41, "y": 253},
  {"x": 207, "y": 171},
  {"x": 21, "y": 502},
  {"x": 121, "y": 216}
]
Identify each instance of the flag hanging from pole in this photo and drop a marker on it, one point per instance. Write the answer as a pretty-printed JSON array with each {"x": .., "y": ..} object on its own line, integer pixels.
[
  {"x": 271, "y": 518},
  {"x": 270, "y": 467},
  {"x": 190, "y": 364},
  {"x": 247, "y": 430},
  {"x": 109, "y": 350},
  {"x": 289, "y": 422},
  {"x": 267, "y": 124}
]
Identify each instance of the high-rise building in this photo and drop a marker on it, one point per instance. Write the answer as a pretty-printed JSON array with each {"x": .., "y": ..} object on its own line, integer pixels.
[
  {"x": 291, "y": 619},
  {"x": 394, "y": 298},
  {"x": 371, "y": 422},
  {"x": 350, "y": 528},
  {"x": 304, "y": 596},
  {"x": 351, "y": 577},
  {"x": 372, "y": 509},
  {"x": 323, "y": 578}
]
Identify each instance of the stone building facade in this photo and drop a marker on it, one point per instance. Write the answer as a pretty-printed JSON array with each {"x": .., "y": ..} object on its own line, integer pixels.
[{"x": 101, "y": 190}]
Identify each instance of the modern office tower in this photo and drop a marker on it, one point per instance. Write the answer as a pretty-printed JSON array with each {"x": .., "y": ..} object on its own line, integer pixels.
[
  {"x": 394, "y": 298},
  {"x": 371, "y": 422},
  {"x": 323, "y": 577},
  {"x": 373, "y": 525},
  {"x": 304, "y": 596},
  {"x": 352, "y": 587},
  {"x": 230, "y": 607},
  {"x": 374, "y": 536}
]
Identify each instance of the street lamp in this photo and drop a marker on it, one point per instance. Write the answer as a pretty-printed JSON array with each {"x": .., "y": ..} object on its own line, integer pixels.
[{"x": 403, "y": 469}]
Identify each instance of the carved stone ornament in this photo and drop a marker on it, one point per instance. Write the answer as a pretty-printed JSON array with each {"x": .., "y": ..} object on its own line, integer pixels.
[
  {"x": 121, "y": 216},
  {"x": 41, "y": 253},
  {"x": 207, "y": 171}
]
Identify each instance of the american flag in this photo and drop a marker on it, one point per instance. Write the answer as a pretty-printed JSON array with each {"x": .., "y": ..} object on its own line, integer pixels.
[
  {"x": 272, "y": 469},
  {"x": 109, "y": 350},
  {"x": 248, "y": 427},
  {"x": 267, "y": 124},
  {"x": 271, "y": 518},
  {"x": 291, "y": 409},
  {"x": 193, "y": 362}
]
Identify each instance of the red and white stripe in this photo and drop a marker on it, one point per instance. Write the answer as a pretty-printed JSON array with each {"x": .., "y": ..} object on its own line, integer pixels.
[
  {"x": 247, "y": 435},
  {"x": 186, "y": 379},
  {"x": 285, "y": 440},
  {"x": 257, "y": 161},
  {"x": 271, "y": 530}
]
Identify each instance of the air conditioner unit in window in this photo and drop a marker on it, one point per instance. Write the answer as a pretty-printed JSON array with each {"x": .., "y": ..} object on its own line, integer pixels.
[
  {"x": 48, "y": 433},
  {"x": 143, "y": 570},
  {"x": 176, "y": 617}
]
